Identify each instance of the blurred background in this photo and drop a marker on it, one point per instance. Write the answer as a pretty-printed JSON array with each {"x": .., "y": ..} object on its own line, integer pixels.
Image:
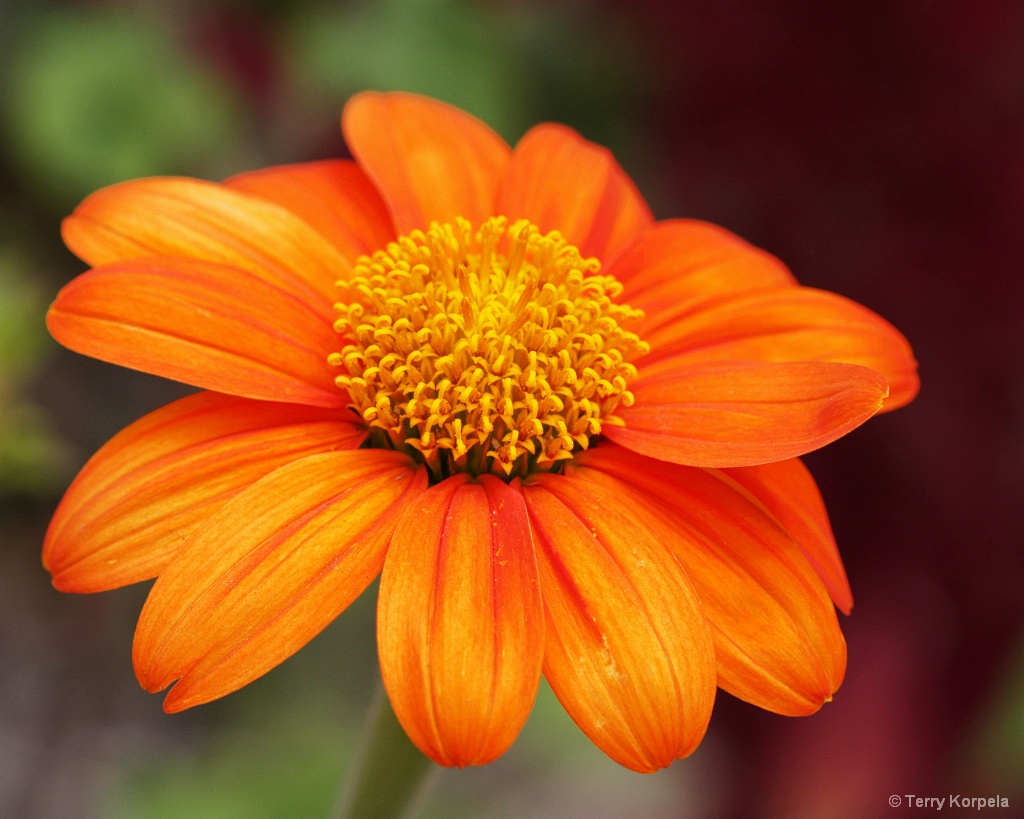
[{"x": 877, "y": 147}]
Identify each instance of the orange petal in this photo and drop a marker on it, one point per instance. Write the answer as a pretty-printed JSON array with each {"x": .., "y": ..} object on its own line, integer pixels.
[
  {"x": 460, "y": 625},
  {"x": 269, "y": 571},
  {"x": 194, "y": 219},
  {"x": 560, "y": 181},
  {"x": 429, "y": 160},
  {"x": 204, "y": 324},
  {"x": 787, "y": 324},
  {"x": 334, "y": 196},
  {"x": 777, "y": 640},
  {"x": 628, "y": 650},
  {"x": 788, "y": 491},
  {"x": 741, "y": 414},
  {"x": 681, "y": 265},
  {"x": 152, "y": 485}
]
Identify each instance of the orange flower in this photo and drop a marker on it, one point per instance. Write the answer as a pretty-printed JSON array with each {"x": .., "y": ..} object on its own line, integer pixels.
[{"x": 567, "y": 434}]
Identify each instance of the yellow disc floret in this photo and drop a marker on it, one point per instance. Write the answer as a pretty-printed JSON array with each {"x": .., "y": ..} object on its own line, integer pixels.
[{"x": 491, "y": 350}]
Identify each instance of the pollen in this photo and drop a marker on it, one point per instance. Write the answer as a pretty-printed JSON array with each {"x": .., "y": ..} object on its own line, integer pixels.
[{"x": 494, "y": 349}]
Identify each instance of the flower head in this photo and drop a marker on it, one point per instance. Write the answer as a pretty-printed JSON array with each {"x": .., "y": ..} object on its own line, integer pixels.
[{"x": 566, "y": 434}]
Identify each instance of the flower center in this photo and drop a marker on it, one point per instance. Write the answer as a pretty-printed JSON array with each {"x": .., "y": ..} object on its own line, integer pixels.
[{"x": 490, "y": 350}]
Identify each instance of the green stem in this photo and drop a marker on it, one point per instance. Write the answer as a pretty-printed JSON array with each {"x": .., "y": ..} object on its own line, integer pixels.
[{"x": 390, "y": 777}]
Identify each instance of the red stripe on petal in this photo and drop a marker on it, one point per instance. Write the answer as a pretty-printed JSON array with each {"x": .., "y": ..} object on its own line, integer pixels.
[
  {"x": 269, "y": 571},
  {"x": 777, "y": 640},
  {"x": 460, "y": 620},
  {"x": 151, "y": 486},
  {"x": 208, "y": 325},
  {"x": 788, "y": 491},
  {"x": 741, "y": 414},
  {"x": 628, "y": 650}
]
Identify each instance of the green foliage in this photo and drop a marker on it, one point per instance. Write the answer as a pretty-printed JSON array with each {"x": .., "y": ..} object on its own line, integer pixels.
[
  {"x": 30, "y": 457},
  {"x": 96, "y": 97},
  {"x": 289, "y": 768},
  {"x": 510, "y": 65},
  {"x": 277, "y": 749},
  {"x": 993, "y": 757},
  {"x": 447, "y": 49}
]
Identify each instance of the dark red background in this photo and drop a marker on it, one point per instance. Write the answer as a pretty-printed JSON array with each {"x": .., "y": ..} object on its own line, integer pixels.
[{"x": 878, "y": 148}]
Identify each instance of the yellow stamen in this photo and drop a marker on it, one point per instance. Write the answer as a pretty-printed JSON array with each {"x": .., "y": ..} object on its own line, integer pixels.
[{"x": 500, "y": 349}]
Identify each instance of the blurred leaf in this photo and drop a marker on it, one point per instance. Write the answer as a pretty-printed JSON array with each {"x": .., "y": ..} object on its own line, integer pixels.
[
  {"x": 277, "y": 749},
  {"x": 508, "y": 64},
  {"x": 290, "y": 768},
  {"x": 447, "y": 49},
  {"x": 21, "y": 331},
  {"x": 30, "y": 456},
  {"x": 97, "y": 97},
  {"x": 994, "y": 754}
]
